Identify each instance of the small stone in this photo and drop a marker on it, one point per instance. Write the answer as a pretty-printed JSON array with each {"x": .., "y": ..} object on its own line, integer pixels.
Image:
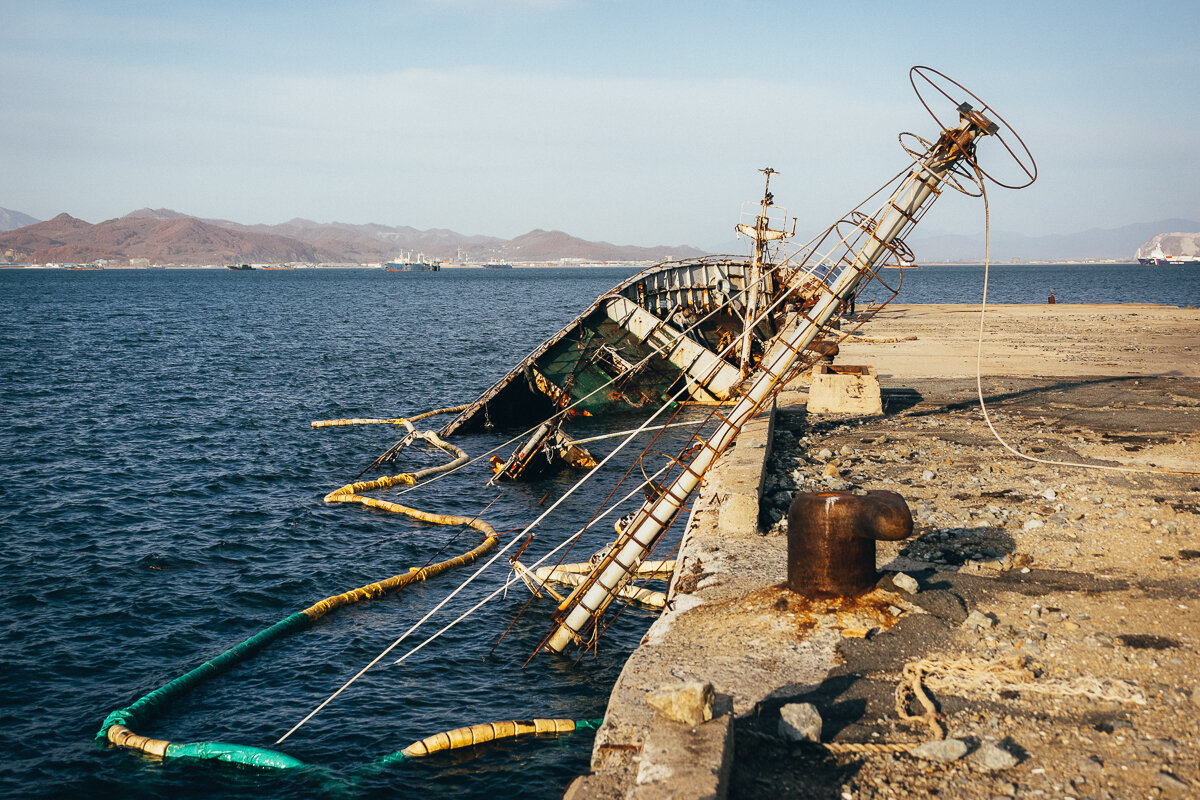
[
  {"x": 832, "y": 470},
  {"x": 861, "y": 633},
  {"x": 782, "y": 499},
  {"x": 1169, "y": 783},
  {"x": 906, "y": 583},
  {"x": 943, "y": 751},
  {"x": 1032, "y": 524},
  {"x": 800, "y": 722},
  {"x": 928, "y": 475},
  {"x": 977, "y": 620},
  {"x": 1196, "y": 697},
  {"x": 825, "y": 454},
  {"x": 993, "y": 758},
  {"x": 690, "y": 703},
  {"x": 1049, "y": 494},
  {"x": 847, "y": 450},
  {"x": 1161, "y": 748}
]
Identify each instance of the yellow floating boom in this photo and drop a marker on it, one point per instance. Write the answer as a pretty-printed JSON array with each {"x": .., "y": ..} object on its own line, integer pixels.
[{"x": 487, "y": 732}]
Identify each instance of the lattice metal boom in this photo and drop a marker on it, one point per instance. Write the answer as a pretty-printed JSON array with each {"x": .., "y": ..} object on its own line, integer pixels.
[{"x": 579, "y": 615}]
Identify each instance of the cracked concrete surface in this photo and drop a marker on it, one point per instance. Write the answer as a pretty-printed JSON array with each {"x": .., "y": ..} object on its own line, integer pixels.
[{"x": 1079, "y": 574}]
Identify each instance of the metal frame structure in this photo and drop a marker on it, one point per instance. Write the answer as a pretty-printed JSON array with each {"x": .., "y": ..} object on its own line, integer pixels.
[{"x": 859, "y": 245}]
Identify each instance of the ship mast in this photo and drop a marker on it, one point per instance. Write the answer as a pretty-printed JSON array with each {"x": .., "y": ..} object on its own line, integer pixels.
[
  {"x": 578, "y": 616},
  {"x": 761, "y": 233}
]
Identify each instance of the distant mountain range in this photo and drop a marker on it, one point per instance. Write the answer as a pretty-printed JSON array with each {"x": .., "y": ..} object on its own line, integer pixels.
[
  {"x": 163, "y": 236},
  {"x": 14, "y": 219},
  {"x": 1174, "y": 243},
  {"x": 1098, "y": 244}
]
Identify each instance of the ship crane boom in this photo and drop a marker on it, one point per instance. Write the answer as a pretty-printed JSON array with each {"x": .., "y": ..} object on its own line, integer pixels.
[{"x": 578, "y": 617}]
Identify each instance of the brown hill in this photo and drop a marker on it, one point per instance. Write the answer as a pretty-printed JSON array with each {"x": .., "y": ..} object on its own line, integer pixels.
[
  {"x": 43, "y": 238},
  {"x": 168, "y": 237},
  {"x": 163, "y": 240},
  {"x": 374, "y": 242}
]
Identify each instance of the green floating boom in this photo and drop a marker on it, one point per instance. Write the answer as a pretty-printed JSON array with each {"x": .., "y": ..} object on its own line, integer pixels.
[{"x": 241, "y": 754}]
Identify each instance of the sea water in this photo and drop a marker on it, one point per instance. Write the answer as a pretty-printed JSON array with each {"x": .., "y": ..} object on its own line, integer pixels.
[
  {"x": 1033, "y": 283},
  {"x": 162, "y": 501}
]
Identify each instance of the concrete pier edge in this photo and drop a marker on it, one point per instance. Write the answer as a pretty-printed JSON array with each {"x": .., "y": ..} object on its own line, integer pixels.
[{"x": 638, "y": 754}]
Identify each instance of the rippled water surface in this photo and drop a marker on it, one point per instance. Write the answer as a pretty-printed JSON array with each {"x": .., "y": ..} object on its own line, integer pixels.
[
  {"x": 1033, "y": 283},
  {"x": 161, "y": 501}
]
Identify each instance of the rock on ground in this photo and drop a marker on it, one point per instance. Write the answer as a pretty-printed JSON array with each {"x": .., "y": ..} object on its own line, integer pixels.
[
  {"x": 800, "y": 722},
  {"x": 690, "y": 703}
]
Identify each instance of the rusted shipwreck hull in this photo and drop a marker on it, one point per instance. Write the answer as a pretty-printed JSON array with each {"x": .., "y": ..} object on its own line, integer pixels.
[{"x": 673, "y": 326}]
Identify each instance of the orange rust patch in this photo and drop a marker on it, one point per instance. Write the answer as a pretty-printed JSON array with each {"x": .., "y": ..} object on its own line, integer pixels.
[
  {"x": 863, "y": 613},
  {"x": 853, "y": 615}
]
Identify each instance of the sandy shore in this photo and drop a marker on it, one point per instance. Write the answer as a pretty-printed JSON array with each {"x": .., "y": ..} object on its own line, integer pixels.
[{"x": 942, "y": 340}]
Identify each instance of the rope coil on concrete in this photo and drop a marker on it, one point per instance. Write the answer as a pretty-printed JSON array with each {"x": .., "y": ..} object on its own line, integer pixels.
[{"x": 976, "y": 674}]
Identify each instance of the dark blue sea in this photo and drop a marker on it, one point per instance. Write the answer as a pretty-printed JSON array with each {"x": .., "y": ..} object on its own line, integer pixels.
[
  {"x": 161, "y": 500},
  {"x": 1033, "y": 283}
]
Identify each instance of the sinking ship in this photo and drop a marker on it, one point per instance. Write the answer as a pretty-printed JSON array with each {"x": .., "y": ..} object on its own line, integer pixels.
[
  {"x": 680, "y": 331},
  {"x": 727, "y": 332}
]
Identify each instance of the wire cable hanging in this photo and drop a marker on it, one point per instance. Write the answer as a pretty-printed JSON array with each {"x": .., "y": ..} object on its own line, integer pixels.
[{"x": 979, "y": 370}]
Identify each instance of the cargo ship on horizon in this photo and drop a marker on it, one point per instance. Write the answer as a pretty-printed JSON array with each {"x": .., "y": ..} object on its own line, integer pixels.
[
  {"x": 407, "y": 263},
  {"x": 1157, "y": 258}
]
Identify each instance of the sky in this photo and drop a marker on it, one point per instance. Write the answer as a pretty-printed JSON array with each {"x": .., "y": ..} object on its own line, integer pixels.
[{"x": 628, "y": 121}]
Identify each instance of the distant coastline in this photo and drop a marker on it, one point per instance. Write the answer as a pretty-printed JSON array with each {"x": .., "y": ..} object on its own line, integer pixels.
[
  {"x": 153, "y": 237},
  {"x": 573, "y": 264}
]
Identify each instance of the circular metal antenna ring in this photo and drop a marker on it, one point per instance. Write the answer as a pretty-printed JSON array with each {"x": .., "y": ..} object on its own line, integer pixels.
[{"x": 935, "y": 80}]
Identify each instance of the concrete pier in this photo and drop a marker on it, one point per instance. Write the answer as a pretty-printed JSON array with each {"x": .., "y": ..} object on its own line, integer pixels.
[{"x": 1084, "y": 580}]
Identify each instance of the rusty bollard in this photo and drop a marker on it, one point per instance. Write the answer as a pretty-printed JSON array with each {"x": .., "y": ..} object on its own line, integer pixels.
[{"x": 831, "y": 540}]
